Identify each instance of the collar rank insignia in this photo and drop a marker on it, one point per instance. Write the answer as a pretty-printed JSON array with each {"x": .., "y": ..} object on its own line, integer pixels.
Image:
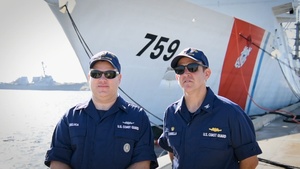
[{"x": 207, "y": 106}]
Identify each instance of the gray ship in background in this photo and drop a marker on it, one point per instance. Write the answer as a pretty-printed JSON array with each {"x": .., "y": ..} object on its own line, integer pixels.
[{"x": 43, "y": 82}]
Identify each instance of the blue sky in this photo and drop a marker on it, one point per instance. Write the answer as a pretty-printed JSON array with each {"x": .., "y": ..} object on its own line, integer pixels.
[{"x": 30, "y": 35}]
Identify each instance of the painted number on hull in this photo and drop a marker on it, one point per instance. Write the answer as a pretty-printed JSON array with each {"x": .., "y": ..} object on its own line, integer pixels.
[{"x": 160, "y": 46}]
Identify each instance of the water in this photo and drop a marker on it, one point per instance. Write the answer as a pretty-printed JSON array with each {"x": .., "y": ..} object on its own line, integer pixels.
[{"x": 27, "y": 120}]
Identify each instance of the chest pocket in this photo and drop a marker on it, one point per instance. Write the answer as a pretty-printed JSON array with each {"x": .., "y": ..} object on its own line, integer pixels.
[
  {"x": 214, "y": 139},
  {"x": 124, "y": 145},
  {"x": 77, "y": 135},
  {"x": 174, "y": 136}
]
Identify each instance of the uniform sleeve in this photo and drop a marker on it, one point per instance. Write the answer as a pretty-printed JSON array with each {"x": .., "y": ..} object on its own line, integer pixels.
[
  {"x": 144, "y": 148},
  {"x": 163, "y": 139},
  {"x": 163, "y": 142},
  {"x": 243, "y": 136},
  {"x": 60, "y": 149}
]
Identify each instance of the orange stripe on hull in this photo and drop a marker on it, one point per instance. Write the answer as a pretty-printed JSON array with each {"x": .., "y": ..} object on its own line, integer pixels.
[{"x": 239, "y": 61}]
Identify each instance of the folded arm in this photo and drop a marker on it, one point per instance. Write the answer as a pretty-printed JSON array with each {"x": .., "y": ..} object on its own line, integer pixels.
[
  {"x": 249, "y": 163},
  {"x": 59, "y": 165},
  {"x": 140, "y": 165}
]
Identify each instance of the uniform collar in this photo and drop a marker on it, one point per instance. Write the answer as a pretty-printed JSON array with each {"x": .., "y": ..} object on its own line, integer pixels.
[
  {"x": 120, "y": 103},
  {"x": 119, "y": 106},
  {"x": 205, "y": 106}
]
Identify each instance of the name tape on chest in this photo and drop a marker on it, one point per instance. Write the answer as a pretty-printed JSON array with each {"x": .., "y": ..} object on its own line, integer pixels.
[
  {"x": 128, "y": 125},
  {"x": 218, "y": 135}
]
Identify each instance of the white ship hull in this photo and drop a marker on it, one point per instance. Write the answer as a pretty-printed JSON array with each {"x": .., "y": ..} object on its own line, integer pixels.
[{"x": 238, "y": 36}]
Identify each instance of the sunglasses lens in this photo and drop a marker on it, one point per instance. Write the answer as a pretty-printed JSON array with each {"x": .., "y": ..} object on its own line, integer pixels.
[
  {"x": 179, "y": 69},
  {"x": 110, "y": 74},
  {"x": 95, "y": 74},
  {"x": 193, "y": 67}
]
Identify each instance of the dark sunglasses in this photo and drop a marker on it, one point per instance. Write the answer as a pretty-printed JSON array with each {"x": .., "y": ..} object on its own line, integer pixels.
[
  {"x": 109, "y": 74},
  {"x": 192, "y": 67}
]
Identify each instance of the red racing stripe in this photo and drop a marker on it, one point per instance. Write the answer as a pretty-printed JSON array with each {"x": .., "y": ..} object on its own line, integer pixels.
[{"x": 239, "y": 61}]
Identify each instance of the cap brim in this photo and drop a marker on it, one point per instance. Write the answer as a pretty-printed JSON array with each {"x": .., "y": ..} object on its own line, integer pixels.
[{"x": 177, "y": 58}]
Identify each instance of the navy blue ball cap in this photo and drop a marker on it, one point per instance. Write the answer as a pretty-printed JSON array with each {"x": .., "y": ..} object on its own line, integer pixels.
[
  {"x": 106, "y": 56},
  {"x": 191, "y": 53}
]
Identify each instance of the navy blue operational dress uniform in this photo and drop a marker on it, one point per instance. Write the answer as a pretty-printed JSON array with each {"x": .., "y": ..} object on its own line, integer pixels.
[
  {"x": 217, "y": 135},
  {"x": 119, "y": 138},
  {"x": 91, "y": 138}
]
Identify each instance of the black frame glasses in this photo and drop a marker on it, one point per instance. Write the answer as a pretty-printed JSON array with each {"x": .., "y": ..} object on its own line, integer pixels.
[
  {"x": 109, "y": 74},
  {"x": 192, "y": 67}
]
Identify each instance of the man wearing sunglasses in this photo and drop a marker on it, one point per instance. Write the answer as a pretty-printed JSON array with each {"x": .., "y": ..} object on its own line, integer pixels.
[
  {"x": 203, "y": 130},
  {"x": 106, "y": 131}
]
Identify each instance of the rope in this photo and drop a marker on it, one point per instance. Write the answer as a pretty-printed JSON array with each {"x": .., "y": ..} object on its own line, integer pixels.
[
  {"x": 264, "y": 108},
  {"x": 86, "y": 48},
  {"x": 144, "y": 109},
  {"x": 294, "y": 117}
]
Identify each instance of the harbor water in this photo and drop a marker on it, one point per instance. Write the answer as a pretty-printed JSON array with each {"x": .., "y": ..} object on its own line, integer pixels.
[{"x": 27, "y": 120}]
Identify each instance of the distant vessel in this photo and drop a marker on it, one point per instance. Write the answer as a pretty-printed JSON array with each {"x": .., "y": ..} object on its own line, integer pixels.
[{"x": 43, "y": 82}]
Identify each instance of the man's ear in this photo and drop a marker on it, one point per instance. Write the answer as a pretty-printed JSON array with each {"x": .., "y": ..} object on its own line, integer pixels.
[
  {"x": 176, "y": 76},
  {"x": 207, "y": 73},
  {"x": 88, "y": 76},
  {"x": 120, "y": 78}
]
